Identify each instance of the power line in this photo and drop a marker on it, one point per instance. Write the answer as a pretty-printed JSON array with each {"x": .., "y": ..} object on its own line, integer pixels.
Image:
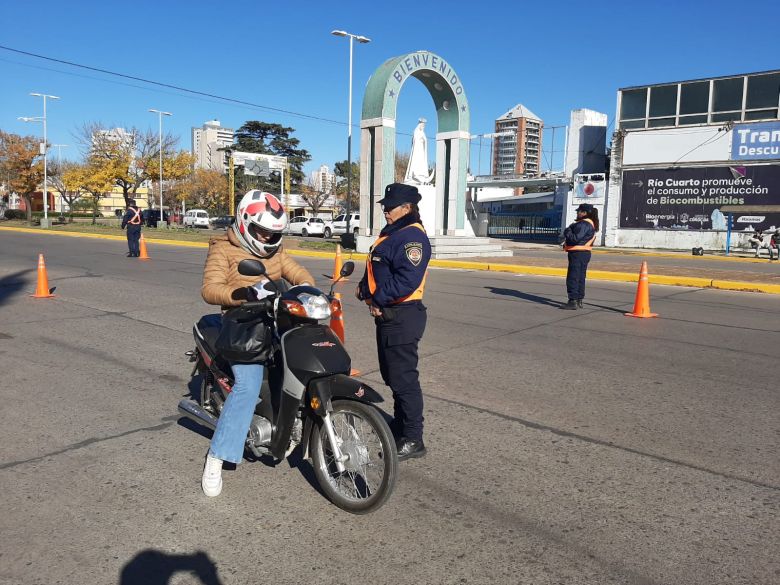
[{"x": 174, "y": 87}]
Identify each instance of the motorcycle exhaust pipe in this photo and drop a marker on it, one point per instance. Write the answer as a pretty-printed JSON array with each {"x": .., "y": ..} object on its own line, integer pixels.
[{"x": 194, "y": 412}]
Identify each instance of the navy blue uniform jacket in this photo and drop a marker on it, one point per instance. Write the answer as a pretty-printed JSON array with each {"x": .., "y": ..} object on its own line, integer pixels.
[
  {"x": 399, "y": 263},
  {"x": 579, "y": 233},
  {"x": 129, "y": 214}
]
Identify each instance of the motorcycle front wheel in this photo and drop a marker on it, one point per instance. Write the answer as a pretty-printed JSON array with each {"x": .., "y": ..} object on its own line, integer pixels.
[{"x": 371, "y": 466}]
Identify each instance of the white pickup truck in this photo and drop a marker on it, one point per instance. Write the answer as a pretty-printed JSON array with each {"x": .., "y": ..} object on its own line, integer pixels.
[{"x": 339, "y": 225}]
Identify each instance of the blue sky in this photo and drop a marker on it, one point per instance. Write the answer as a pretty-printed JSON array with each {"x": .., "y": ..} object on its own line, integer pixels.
[{"x": 551, "y": 56}]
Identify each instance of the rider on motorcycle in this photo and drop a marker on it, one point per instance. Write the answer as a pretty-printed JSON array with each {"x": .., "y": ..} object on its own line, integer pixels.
[{"x": 256, "y": 233}]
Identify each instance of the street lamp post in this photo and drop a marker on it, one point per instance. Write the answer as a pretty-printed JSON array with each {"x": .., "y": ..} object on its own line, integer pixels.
[
  {"x": 360, "y": 39},
  {"x": 44, "y": 148},
  {"x": 160, "y": 114}
]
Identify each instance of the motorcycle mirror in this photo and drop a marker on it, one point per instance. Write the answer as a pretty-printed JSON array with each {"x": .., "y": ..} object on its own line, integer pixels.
[
  {"x": 251, "y": 268},
  {"x": 347, "y": 269}
]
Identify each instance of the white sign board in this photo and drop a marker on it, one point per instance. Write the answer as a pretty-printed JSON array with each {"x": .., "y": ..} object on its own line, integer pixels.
[{"x": 275, "y": 163}]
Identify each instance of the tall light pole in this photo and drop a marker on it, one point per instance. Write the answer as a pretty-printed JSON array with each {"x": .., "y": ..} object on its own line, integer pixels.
[
  {"x": 360, "y": 39},
  {"x": 44, "y": 148},
  {"x": 160, "y": 114}
]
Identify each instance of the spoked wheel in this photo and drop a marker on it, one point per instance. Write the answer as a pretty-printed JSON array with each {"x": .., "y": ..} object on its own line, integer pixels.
[{"x": 371, "y": 463}]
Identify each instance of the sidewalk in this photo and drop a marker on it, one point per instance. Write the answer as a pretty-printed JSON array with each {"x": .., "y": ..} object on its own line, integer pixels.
[{"x": 621, "y": 265}]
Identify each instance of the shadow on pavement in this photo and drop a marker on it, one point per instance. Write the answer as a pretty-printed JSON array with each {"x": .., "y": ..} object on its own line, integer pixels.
[
  {"x": 152, "y": 567},
  {"x": 10, "y": 284},
  {"x": 524, "y": 296}
]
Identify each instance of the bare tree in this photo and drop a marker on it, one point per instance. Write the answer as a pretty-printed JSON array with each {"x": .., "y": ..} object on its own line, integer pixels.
[
  {"x": 314, "y": 198},
  {"x": 60, "y": 175},
  {"x": 401, "y": 162}
]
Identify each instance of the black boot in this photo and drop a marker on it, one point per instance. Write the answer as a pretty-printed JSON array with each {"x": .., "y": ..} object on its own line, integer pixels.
[
  {"x": 410, "y": 448},
  {"x": 579, "y": 303},
  {"x": 570, "y": 306}
]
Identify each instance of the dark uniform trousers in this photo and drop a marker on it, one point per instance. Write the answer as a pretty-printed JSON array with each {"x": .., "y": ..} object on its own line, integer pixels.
[
  {"x": 398, "y": 334},
  {"x": 133, "y": 237},
  {"x": 575, "y": 276}
]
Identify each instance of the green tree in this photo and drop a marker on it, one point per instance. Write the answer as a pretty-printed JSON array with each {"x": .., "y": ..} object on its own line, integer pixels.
[
  {"x": 340, "y": 170},
  {"x": 265, "y": 138}
]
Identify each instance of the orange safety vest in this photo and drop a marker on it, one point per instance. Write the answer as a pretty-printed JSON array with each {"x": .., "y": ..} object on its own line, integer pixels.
[
  {"x": 417, "y": 295},
  {"x": 587, "y": 246},
  {"x": 136, "y": 219}
]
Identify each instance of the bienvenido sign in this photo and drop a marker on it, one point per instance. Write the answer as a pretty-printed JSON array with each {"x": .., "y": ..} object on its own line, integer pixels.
[
  {"x": 755, "y": 141},
  {"x": 427, "y": 61}
]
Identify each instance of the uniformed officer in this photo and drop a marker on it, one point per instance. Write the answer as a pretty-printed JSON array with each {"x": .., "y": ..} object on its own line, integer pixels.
[
  {"x": 578, "y": 242},
  {"x": 132, "y": 220},
  {"x": 393, "y": 286}
]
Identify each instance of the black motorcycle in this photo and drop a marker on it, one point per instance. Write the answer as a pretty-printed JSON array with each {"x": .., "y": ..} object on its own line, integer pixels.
[{"x": 308, "y": 397}]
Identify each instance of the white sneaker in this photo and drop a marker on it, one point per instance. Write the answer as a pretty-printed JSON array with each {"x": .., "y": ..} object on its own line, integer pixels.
[{"x": 212, "y": 477}]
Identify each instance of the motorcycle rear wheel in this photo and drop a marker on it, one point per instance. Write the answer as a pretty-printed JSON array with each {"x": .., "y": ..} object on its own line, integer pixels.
[{"x": 372, "y": 466}]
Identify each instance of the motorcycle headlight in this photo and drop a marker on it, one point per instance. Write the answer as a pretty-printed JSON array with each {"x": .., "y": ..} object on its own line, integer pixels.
[{"x": 316, "y": 306}]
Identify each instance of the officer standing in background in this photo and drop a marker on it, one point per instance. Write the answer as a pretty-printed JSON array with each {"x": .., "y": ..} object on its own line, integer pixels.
[
  {"x": 578, "y": 242},
  {"x": 132, "y": 220},
  {"x": 392, "y": 287}
]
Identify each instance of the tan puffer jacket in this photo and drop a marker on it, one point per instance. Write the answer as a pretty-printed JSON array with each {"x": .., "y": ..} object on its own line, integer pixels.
[{"x": 223, "y": 285}]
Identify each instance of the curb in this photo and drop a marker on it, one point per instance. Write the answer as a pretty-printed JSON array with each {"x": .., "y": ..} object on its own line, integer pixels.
[{"x": 689, "y": 281}]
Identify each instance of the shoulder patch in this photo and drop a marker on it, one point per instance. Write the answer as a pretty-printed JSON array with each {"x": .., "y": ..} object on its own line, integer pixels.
[{"x": 414, "y": 252}]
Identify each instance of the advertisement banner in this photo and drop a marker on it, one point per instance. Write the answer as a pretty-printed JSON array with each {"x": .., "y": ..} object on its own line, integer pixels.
[
  {"x": 759, "y": 141},
  {"x": 691, "y": 198}
]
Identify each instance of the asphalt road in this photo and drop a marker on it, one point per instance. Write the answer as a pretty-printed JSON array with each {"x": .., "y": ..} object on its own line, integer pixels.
[{"x": 564, "y": 447}]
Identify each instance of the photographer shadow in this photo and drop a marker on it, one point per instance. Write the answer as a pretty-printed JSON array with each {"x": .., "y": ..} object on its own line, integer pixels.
[{"x": 153, "y": 567}]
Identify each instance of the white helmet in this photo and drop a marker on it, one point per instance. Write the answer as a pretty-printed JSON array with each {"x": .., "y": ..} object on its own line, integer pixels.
[{"x": 260, "y": 221}]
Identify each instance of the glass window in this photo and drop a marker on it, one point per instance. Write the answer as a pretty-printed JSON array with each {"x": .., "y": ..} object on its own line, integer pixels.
[
  {"x": 633, "y": 104},
  {"x": 727, "y": 94},
  {"x": 632, "y": 124},
  {"x": 694, "y": 97},
  {"x": 726, "y": 117},
  {"x": 658, "y": 122},
  {"x": 763, "y": 91},
  {"x": 761, "y": 114},
  {"x": 663, "y": 101},
  {"x": 697, "y": 119}
]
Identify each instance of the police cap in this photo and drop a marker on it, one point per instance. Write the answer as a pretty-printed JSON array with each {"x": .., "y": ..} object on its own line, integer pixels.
[
  {"x": 586, "y": 207},
  {"x": 131, "y": 202},
  {"x": 397, "y": 194}
]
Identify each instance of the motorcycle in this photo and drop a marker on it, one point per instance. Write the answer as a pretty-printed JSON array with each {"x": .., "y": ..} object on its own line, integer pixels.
[{"x": 307, "y": 398}]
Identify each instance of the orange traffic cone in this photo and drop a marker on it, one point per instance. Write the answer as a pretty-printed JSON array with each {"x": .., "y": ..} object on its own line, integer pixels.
[
  {"x": 337, "y": 264},
  {"x": 42, "y": 290},
  {"x": 642, "y": 301},
  {"x": 337, "y": 317},
  {"x": 144, "y": 254}
]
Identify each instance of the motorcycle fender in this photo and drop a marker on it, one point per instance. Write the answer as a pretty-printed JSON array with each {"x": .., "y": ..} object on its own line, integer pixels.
[
  {"x": 339, "y": 386},
  {"x": 308, "y": 425}
]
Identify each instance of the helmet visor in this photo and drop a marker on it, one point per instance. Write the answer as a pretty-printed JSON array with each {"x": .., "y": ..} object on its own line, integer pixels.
[{"x": 263, "y": 235}]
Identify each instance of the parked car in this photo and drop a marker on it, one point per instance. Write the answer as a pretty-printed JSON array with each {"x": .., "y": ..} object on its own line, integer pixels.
[
  {"x": 339, "y": 225},
  {"x": 221, "y": 222},
  {"x": 306, "y": 226},
  {"x": 196, "y": 218},
  {"x": 150, "y": 217}
]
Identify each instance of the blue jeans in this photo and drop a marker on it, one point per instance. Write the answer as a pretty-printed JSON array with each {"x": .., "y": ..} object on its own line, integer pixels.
[{"x": 233, "y": 424}]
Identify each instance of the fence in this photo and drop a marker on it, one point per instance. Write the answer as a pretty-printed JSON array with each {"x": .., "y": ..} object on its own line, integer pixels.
[{"x": 537, "y": 227}]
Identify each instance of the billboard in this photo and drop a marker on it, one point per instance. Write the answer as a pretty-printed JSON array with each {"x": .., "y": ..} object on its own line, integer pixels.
[
  {"x": 755, "y": 141},
  {"x": 690, "y": 198}
]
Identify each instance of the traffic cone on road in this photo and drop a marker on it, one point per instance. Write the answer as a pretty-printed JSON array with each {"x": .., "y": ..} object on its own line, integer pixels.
[
  {"x": 144, "y": 254},
  {"x": 642, "y": 300},
  {"x": 337, "y": 264},
  {"x": 42, "y": 290}
]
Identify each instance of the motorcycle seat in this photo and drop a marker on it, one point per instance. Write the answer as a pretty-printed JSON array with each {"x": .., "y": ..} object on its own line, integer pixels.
[{"x": 209, "y": 326}]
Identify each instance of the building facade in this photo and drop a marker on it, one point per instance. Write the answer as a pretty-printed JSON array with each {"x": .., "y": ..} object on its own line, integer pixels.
[
  {"x": 208, "y": 144},
  {"x": 688, "y": 155},
  {"x": 518, "y": 150},
  {"x": 323, "y": 180}
]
